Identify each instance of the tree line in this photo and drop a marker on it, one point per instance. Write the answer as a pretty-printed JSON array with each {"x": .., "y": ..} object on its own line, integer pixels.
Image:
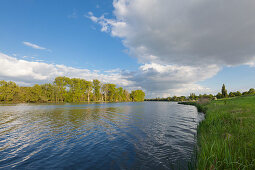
[
  {"x": 65, "y": 89},
  {"x": 194, "y": 97}
]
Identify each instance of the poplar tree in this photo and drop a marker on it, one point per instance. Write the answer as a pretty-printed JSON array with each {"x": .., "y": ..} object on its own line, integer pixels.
[{"x": 224, "y": 91}]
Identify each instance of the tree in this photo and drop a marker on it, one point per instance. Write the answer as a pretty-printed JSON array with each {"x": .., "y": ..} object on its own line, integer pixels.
[
  {"x": 96, "y": 89},
  {"x": 231, "y": 94},
  {"x": 251, "y": 91},
  {"x": 219, "y": 96},
  {"x": 8, "y": 91},
  {"x": 238, "y": 93},
  {"x": 112, "y": 92},
  {"x": 89, "y": 87},
  {"x": 65, "y": 89},
  {"x": 137, "y": 95},
  {"x": 105, "y": 90},
  {"x": 192, "y": 96},
  {"x": 224, "y": 91},
  {"x": 61, "y": 83}
]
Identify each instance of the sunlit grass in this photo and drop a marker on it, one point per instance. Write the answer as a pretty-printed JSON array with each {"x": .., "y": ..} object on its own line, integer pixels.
[{"x": 226, "y": 138}]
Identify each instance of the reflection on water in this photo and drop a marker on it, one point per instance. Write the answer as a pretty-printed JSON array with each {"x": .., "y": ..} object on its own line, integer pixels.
[{"x": 148, "y": 135}]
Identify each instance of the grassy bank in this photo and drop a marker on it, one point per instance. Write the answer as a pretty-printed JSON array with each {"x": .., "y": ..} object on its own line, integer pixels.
[{"x": 226, "y": 138}]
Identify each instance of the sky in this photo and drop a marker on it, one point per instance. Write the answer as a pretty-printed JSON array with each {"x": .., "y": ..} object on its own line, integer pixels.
[{"x": 164, "y": 47}]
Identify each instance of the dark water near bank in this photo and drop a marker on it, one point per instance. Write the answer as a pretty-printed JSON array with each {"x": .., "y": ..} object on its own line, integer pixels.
[{"x": 148, "y": 135}]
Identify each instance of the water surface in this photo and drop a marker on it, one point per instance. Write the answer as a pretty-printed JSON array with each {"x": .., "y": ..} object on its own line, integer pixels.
[{"x": 148, "y": 135}]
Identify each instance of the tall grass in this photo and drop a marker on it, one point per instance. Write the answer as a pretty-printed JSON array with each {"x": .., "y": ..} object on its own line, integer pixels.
[{"x": 226, "y": 138}]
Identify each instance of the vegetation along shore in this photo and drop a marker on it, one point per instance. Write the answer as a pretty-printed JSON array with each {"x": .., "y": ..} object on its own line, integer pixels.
[
  {"x": 226, "y": 138},
  {"x": 65, "y": 89}
]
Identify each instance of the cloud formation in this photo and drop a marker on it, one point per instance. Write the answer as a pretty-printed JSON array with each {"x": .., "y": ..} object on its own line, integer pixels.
[
  {"x": 28, "y": 73},
  {"x": 155, "y": 79},
  {"x": 33, "y": 45},
  {"x": 164, "y": 80},
  {"x": 189, "y": 32},
  {"x": 181, "y": 43}
]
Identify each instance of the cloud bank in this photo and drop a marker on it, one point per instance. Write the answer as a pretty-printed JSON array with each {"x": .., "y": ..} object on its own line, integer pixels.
[
  {"x": 181, "y": 43},
  {"x": 188, "y": 32},
  {"x": 155, "y": 79},
  {"x": 28, "y": 73}
]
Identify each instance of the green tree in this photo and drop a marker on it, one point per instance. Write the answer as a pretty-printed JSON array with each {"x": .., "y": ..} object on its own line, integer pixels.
[
  {"x": 8, "y": 91},
  {"x": 89, "y": 88},
  {"x": 137, "y": 95},
  {"x": 61, "y": 83},
  {"x": 65, "y": 89},
  {"x": 219, "y": 96},
  {"x": 112, "y": 93},
  {"x": 192, "y": 96},
  {"x": 238, "y": 93},
  {"x": 251, "y": 91},
  {"x": 224, "y": 91},
  {"x": 97, "y": 90},
  {"x": 231, "y": 94}
]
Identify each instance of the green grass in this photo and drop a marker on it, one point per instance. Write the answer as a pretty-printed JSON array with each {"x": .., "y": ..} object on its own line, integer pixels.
[{"x": 226, "y": 138}]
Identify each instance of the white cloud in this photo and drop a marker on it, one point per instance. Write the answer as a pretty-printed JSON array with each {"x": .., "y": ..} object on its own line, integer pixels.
[
  {"x": 33, "y": 45},
  {"x": 29, "y": 73},
  {"x": 181, "y": 43},
  {"x": 189, "y": 32},
  {"x": 155, "y": 79},
  {"x": 166, "y": 80}
]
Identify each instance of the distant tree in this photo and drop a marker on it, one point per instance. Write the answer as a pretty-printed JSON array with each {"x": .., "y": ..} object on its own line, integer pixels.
[
  {"x": 192, "y": 96},
  {"x": 174, "y": 98},
  {"x": 238, "y": 93},
  {"x": 224, "y": 91},
  {"x": 245, "y": 93},
  {"x": 251, "y": 91},
  {"x": 137, "y": 95},
  {"x": 231, "y": 94},
  {"x": 219, "y": 96}
]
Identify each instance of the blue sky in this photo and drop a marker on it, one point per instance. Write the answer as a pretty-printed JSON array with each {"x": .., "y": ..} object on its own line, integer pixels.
[
  {"x": 61, "y": 27},
  {"x": 133, "y": 43}
]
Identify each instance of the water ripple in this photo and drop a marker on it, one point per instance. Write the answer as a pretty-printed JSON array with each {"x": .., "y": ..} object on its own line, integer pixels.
[{"x": 149, "y": 135}]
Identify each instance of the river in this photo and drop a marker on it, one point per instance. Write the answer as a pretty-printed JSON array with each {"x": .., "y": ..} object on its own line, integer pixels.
[{"x": 146, "y": 135}]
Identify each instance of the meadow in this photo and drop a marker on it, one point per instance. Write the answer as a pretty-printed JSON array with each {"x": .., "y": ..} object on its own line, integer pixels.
[{"x": 226, "y": 138}]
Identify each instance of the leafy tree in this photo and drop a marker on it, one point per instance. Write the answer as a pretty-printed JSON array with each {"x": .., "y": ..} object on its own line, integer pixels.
[
  {"x": 112, "y": 92},
  {"x": 192, "y": 96},
  {"x": 251, "y": 91},
  {"x": 137, "y": 95},
  {"x": 65, "y": 89},
  {"x": 89, "y": 87},
  {"x": 231, "y": 94},
  {"x": 224, "y": 91},
  {"x": 238, "y": 93},
  {"x": 97, "y": 88},
  {"x": 219, "y": 96}
]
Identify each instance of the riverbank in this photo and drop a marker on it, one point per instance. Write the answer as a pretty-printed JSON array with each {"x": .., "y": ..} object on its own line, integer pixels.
[{"x": 226, "y": 138}]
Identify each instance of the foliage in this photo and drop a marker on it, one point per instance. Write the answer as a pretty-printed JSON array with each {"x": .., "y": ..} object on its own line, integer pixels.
[
  {"x": 137, "y": 96},
  {"x": 224, "y": 91},
  {"x": 194, "y": 97},
  {"x": 66, "y": 89}
]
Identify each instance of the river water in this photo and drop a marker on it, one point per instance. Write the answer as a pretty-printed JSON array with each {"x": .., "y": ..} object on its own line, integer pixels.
[{"x": 147, "y": 135}]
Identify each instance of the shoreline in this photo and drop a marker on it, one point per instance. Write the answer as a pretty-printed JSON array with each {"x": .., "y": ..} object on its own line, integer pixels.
[
  {"x": 226, "y": 138},
  {"x": 10, "y": 103}
]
